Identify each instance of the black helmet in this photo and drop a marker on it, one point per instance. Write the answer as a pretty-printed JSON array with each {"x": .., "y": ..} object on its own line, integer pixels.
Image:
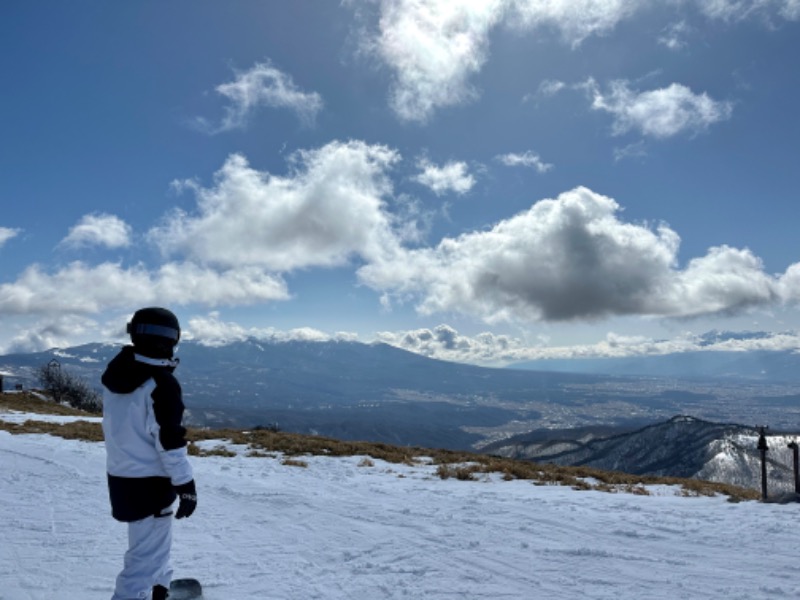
[{"x": 154, "y": 332}]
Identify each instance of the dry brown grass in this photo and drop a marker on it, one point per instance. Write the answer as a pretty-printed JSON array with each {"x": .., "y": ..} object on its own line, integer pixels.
[
  {"x": 464, "y": 466},
  {"x": 27, "y": 402},
  {"x": 79, "y": 430}
]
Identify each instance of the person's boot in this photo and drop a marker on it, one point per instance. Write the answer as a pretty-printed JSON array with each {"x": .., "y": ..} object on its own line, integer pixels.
[{"x": 160, "y": 592}]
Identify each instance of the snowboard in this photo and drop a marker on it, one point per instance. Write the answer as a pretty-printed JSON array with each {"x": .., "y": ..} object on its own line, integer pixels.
[{"x": 185, "y": 589}]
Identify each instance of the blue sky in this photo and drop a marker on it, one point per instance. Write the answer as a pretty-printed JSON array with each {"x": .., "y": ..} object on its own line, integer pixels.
[{"x": 479, "y": 181}]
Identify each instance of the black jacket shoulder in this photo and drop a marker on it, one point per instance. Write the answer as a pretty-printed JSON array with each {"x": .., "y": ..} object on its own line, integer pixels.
[{"x": 124, "y": 373}]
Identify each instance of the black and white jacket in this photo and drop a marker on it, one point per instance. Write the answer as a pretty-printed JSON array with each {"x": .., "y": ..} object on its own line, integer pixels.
[{"x": 145, "y": 440}]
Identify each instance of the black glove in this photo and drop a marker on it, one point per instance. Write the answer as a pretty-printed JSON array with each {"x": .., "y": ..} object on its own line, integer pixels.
[{"x": 187, "y": 494}]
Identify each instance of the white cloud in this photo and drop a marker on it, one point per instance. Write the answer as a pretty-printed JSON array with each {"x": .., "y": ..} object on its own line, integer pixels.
[
  {"x": 188, "y": 283},
  {"x": 263, "y": 85},
  {"x": 727, "y": 9},
  {"x": 737, "y": 10},
  {"x": 674, "y": 35},
  {"x": 452, "y": 177},
  {"x": 210, "y": 330},
  {"x": 332, "y": 206},
  {"x": 572, "y": 258},
  {"x": 99, "y": 230},
  {"x": 634, "y": 150},
  {"x": 790, "y": 284},
  {"x": 724, "y": 280},
  {"x": 550, "y": 87},
  {"x": 526, "y": 159},
  {"x": 75, "y": 289},
  {"x": 57, "y": 331},
  {"x": 445, "y": 343},
  {"x": 660, "y": 113},
  {"x": 790, "y": 9},
  {"x": 80, "y": 289},
  {"x": 435, "y": 46},
  {"x": 6, "y": 234},
  {"x": 576, "y": 20}
]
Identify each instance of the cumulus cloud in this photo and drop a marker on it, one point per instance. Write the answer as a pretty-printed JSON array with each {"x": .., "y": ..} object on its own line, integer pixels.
[
  {"x": 445, "y": 343},
  {"x": 262, "y": 85},
  {"x": 57, "y": 331},
  {"x": 526, "y": 159},
  {"x": 487, "y": 348},
  {"x": 99, "y": 230},
  {"x": 724, "y": 280},
  {"x": 248, "y": 228},
  {"x": 331, "y": 207},
  {"x": 789, "y": 284},
  {"x": 81, "y": 289},
  {"x": 572, "y": 258},
  {"x": 435, "y": 46},
  {"x": 660, "y": 113},
  {"x": 210, "y": 330},
  {"x": 6, "y": 233},
  {"x": 453, "y": 176}
]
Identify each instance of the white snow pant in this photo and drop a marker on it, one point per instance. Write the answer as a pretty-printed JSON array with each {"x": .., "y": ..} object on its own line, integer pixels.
[{"x": 147, "y": 559}]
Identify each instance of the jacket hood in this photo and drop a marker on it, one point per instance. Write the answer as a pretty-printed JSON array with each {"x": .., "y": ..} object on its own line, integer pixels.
[{"x": 125, "y": 373}]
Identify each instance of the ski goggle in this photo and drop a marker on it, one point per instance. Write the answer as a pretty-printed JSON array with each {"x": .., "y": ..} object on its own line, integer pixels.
[{"x": 149, "y": 329}]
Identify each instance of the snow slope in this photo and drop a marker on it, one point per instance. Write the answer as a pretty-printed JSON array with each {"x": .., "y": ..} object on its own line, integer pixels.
[{"x": 341, "y": 529}]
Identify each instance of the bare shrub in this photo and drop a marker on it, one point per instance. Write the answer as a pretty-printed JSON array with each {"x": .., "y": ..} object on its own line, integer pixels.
[{"x": 67, "y": 388}]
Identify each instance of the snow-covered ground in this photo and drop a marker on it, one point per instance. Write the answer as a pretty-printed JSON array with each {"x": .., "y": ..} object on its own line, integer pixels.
[{"x": 346, "y": 528}]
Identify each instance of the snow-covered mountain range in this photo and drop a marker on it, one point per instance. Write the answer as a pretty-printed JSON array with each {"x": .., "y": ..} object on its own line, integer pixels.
[
  {"x": 377, "y": 392},
  {"x": 680, "y": 447}
]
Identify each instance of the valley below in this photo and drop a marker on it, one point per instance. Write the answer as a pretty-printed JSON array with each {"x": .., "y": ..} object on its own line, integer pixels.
[{"x": 379, "y": 393}]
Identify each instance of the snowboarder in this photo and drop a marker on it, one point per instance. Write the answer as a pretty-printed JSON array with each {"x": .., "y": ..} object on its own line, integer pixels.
[{"x": 146, "y": 452}]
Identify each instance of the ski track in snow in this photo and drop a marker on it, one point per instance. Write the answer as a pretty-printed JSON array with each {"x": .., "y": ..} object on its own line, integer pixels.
[{"x": 339, "y": 530}]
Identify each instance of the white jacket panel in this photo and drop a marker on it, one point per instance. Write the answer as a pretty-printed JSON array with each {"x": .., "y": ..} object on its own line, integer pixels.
[{"x": 133, "y": 447}]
